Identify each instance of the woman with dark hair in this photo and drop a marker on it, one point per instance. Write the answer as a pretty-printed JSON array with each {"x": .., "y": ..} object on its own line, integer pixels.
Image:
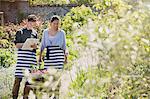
[{"x": 54, "y": 41}]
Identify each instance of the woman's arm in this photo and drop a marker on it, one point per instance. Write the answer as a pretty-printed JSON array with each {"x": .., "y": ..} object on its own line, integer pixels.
[
  {"x": 40, "y": 57},
  {"x": 64, "y": 47},
  {"x": 43, "y": 46},
  {"x": 66, "y": 56}
]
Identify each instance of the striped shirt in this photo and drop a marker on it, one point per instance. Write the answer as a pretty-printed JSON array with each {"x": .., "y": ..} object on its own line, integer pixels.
[
  {"x": 55, "y": 49},
  {"x": 54, "y": 57},
  {"x": 25, "y": 58},
  {"x": 59, "y": 39}
]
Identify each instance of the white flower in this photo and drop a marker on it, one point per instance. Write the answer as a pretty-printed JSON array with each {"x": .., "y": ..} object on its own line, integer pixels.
[
  {"x": 46, "y": 84},
  {"x": 55, "y": 85},
  {"x": 50, "y": 79},
  {"x": 109, "y": 44},
  {"x": 126, "y": 47},
  {"x": 93, "y": 81},
  {"x": 130, "y": 28},
  {"x": 80, "y": 32},
  {"x": 145, "y": 41},
  {"x": 135, "y": 48},
  {"x": 100, "y": 29},
  {"x": 92, "y": 37},
  {"x": 26, "y": 73},
  {"x": 52, "y": 71},
  {"x": 75, "y": 25},
  {"x": 107, "y": 30},
  {"x": 87, "y": 81}
]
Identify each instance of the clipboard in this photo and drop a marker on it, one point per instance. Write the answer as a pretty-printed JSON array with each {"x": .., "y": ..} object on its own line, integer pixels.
[{"x": 29, "y": 42}]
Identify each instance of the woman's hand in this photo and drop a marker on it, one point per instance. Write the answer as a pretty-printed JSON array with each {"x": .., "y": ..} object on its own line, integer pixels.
[
  {"x": 66, "y": 55},
  {"x": 65, "y": 59},
  {"x": 40, "y": 59}
]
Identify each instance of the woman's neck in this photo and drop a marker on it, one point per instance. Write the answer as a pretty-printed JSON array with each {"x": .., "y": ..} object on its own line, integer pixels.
[{"x": 53, "y": 32}]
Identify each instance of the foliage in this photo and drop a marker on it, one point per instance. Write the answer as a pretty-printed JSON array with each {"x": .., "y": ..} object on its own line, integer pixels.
[
  {"x": 7, "y": 58},
  {"x": 73, "y": 20},
  {"x": 3, "y": 41},
  {"x": 44, "y": 81},
  {"x": 121, "y": 39},
  {"x": 7, "y": 35},
  {"x": 76, "y": 18},
  {"x": 109, "y": 46},
  {"x": 6, "y": 82},
  {"x": 60, "y": 2}
]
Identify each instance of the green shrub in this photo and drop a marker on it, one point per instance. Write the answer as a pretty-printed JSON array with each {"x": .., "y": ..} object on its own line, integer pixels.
[
  {"x": 76, "y": 18},
  {"x": 61, "y": 2},
  {"x": 121, "y": 39},
  {"x": 7, "y": 58},
  {"x": 6, "y": 82},
  {"x": 7, "y": 35}
]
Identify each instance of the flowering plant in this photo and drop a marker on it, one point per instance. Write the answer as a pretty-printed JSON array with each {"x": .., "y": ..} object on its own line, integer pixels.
[{"x": 44, "y": 81}]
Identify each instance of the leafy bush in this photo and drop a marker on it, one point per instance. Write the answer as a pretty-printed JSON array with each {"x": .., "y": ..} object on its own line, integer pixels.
[
  {"x": 45, "y": 82},
  {"x": 7, "y": 58},
  {"x": 7, "y": 35},
  {"x": 109, "y": 47},
  {"x": 71, "y": 23},
  {"x": 6, "y": 82},
  {"x": 76, "y": 18},
  {"x": 60, "y": 2},
  {"x": 120, "y": 37}
]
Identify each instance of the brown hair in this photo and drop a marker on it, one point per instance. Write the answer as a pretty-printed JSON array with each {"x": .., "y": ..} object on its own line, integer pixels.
[
  {"x": 32, "y": 18},
  {"x": 54, "y": 17}
]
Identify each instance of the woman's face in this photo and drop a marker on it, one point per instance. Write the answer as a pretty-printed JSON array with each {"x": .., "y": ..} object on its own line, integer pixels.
[{"x": 55, "y": 24}]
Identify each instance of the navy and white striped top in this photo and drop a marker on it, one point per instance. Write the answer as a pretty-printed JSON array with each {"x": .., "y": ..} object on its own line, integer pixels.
[
  {"x": 26, "y": 58},
  {"x": 54, "y": 57},
  {"x": 55, "y": 49}
]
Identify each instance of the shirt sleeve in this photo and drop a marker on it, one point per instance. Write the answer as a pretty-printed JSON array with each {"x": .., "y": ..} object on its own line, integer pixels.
[
  {"x": 18, "y": 37},
  {"x": 43, "y": 43},
  {"x": 34, "y": 34},
  {"x": 64, "y": 41}
]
